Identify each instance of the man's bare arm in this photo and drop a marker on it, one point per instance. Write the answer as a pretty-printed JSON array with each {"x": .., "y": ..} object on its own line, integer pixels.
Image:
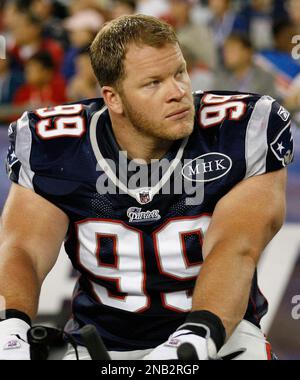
[
  {"x": 31, "y": 233},
  {"x": 243, "y": 223}
]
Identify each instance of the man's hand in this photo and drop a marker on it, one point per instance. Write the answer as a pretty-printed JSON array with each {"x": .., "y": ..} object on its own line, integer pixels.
[
  {"x": 205, "y": 348},
  {"x": 13, "y": 340}
]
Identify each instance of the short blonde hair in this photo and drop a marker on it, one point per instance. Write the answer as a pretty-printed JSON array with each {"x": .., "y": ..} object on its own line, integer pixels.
[{"x": 109, "y": 48}]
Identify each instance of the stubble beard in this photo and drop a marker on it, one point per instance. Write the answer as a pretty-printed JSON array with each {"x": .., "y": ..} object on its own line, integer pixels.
[{"x": 147, "y": 127}]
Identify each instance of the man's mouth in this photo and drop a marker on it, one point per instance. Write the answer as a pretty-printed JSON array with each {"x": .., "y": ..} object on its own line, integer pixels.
[{"x": 179, "y": 114}]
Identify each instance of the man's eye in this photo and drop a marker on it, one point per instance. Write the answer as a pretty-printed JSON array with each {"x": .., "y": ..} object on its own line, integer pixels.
[{"x": 153, "y": 83}]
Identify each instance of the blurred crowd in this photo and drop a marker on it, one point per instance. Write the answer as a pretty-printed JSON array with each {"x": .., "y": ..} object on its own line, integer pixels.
[{"x": 241, "y": 45}]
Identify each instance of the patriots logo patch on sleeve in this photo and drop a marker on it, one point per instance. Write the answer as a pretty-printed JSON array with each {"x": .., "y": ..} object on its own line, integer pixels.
[{"x": 282, "y": 146}]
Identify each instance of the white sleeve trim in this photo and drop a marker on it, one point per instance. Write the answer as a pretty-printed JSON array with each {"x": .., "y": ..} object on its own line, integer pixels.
[
  {"x": 23, "y": 151},
  {"x": 256, "y": 144}
]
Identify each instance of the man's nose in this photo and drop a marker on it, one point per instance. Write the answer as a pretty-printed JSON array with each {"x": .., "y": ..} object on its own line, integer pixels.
[{"x": 176, "y": 91}]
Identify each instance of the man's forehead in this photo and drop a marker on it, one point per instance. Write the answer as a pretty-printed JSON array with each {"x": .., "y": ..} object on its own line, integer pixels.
[{"x": 147, "y": 57}]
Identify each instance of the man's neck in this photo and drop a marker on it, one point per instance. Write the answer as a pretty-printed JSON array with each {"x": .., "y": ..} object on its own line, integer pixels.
[{"x": 138, "y": 145}]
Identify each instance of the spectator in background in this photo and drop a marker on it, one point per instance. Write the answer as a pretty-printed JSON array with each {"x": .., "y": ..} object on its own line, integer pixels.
[
  {"x": 197, "y": 38},
  {"x": 82, "y": 28},
  {"x": 223, "y": 21},
  {"x": 279, "y": 60},
  {"x": 123, "y": 7},
  {"x": 156, "y": 8},
  {"x": 77, "y": 6},
  {"x": 84, "y": 84},
  {"x": 10, "y": 12},
  {"x": 201, "y": 77},
  {"x": 52, "y": 26},
  {"x": 43, "y": 85},
  {"x": 257, "y": 18},
  {"x": 293, "y": 8},
  {"x": 292, "y": 101},
  {"x": 29, "y": 40},
  {"x": 10, "y": 81},
  {"x": 240, "y": 73}
]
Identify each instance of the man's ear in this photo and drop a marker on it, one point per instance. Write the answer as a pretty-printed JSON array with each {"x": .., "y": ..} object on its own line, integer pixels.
[{"x": 112, "y": 99}]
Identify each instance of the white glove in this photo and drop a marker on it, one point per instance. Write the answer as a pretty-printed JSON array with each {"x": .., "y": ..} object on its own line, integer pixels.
[
  {"x": 13, "y": 340},
  {"x": 205, "y": 347}
]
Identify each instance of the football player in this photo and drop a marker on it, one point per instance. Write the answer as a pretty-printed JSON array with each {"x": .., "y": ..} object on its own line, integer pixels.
[{"x": 156, "y": 269}]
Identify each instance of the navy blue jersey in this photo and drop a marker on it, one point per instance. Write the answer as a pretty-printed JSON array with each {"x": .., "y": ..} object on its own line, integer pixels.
[{"x": 136, "y": 240}]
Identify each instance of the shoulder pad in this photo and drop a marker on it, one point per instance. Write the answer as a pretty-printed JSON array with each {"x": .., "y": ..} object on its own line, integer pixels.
[{"x": 43, "y": 142}]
